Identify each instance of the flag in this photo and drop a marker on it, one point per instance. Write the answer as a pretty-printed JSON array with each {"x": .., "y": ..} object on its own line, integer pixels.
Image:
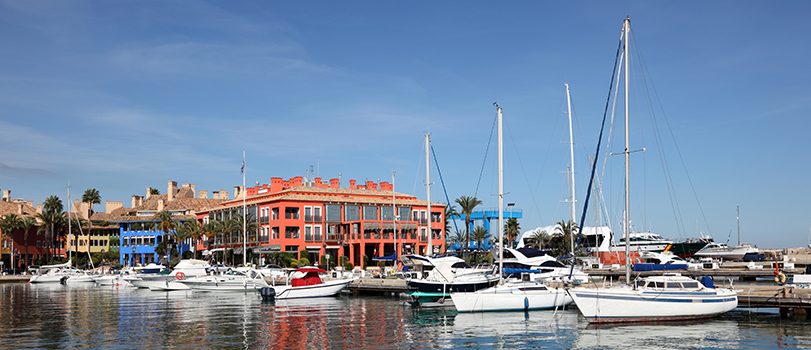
[{"x": 242, "y": 169}]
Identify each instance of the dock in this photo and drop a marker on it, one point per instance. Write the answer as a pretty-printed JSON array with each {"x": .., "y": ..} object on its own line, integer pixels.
[
  {"x": 742, "y": 274},
  {"x": 14, "y": 279}
]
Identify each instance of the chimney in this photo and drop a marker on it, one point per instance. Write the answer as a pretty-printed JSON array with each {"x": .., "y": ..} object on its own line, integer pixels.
[
  {"x": 39, "y": 208},
  {"x": 171, "y": 189},
  {"x": 237, "y": 191},
  {"x": 148, "y": 192},
  {"x": 352, "y": 184},
  {"x": 193, "y": 193},
  {"x": 134, "y": 201},
  {"x": 203, "y": 194},
  {"x": 317, "y": 181},
  {"x": 6, "y": 195},
  {"x": 109, "y": 206},
  {"x": 160, "y": 205},
  {"x": 19, "y": 209},
  {"x": 275, "y": 184},
  {"x": 224, "y": 195},
  {"x": 334, "y": 183},
  {"x": 216, "y": 194}
]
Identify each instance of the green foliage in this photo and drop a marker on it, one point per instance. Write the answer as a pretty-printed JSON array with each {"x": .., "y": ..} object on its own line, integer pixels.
[
  {"x": 303, "y": 262},
  {"x": 281, "y": 259},
  {"x": 91, "y": 196},
  {"x": 511, "y": 231},
  {"x": 467, "y": 205}
]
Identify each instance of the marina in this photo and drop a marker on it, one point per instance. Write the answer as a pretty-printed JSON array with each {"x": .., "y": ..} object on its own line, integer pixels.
[{"x": 244, "y": 176}]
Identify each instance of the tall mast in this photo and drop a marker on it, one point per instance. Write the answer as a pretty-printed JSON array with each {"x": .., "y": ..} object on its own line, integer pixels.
[
  {"x": 500, "y": 196},
  {"x": 394, "y": 213},
  {"x": 626, "y": 220},
  {"x": 428, "y": 193},
  {"x": 738, "y": 219},
  {"x": 571, "y": 168},
  {"x": 244, "y": 216},
  {"x": 70, "y": 209}
]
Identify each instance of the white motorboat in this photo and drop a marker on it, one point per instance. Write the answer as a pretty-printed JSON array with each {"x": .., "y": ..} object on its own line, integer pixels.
[
  {"x": 658, "y": 298},
  {"x": 156, "y": 275},
  {"x": 78, "y": 276},
  {"x": 725, "y": 252},
  {"x": 646, "y": 241},
  {"x": 539, "y": 265},
  {"x": 307, "y": 283},
  {"x": 168, "y": 286},
  {"x": 447, "y": 274},
  {"x": 512, "y": 296},
  {"x": 52, "y": 273},
  {"x": 230, "y": 281}
]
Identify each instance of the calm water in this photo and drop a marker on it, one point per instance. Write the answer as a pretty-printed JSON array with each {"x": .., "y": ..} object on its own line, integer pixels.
[{"x": 37, "y": 316}]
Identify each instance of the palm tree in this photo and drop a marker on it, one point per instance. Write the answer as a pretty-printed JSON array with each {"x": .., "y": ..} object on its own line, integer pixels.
[
  {"x": 539, "y": 239},
  {"x": 190, "y": 230},
  {"x": 511, "y": 230},
  {"x": 467, "y": 204},
  {"x": 569, "y": 227},
  {"x": 479, "y": 235},
  {"x": 8, "y": 223},
  {"x": 26, "y": 224},
  {"x": 229, "y": 227},
  {"x": 211, "y": 230},
  {"x": 450, "y": 212},
  {"x": 91, "y": 196},
  {"x": 51, "y": 218},
  {"x": 168, "y": 226},
  {"x": 250, "y": 227}
]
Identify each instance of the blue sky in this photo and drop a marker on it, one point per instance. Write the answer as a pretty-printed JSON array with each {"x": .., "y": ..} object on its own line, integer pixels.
[{"x": 124, "y": 95}]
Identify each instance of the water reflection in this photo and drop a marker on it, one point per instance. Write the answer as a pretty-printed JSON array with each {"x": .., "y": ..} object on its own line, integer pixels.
[{"x": 84, "y": 316}]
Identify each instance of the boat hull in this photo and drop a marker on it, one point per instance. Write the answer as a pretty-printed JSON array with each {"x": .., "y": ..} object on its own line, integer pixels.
[
  {"x": 225, "y": 286},
  {"x": 426, "y": 286},
  {"x": 686, "y": 250},
  {"x": 515, "y": 300},
  {"x": 325, "y": 289},
  {"x": 168, "y": 286},
  {"x": 614, "y": 305},
  {"x": 658, "y": 267}
]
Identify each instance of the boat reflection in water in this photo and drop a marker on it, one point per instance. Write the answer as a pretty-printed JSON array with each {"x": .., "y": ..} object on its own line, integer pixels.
[
  {"x": 713, "y": 334},
  {"x": 545, "y": 329}
]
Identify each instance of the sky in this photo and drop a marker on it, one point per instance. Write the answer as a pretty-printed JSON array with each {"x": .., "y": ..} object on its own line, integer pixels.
[{"x": 123, "y": 95}]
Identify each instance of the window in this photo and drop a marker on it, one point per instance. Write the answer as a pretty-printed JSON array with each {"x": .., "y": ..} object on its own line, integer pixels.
[
  {"x": 291, "y": 232},
  {"x": 317, "y": 214},
  {"x": 317, "y": 233},
  {"x": 333, "y": 213},
  {"x": 403, "y": 213},
  {"x": 274, "y": 214},
  {"x": 386, "y": 213},
  {"x": 369, "y": 212},
  {"x": 308, "y": 233},
  {"x": 423, "y": 234},
  {"x": 263, "y": 215},
  {"x": 275, "y": 232},
  {"x": 308, "y": 214},
  {"x": 690, "y": 285},
  {"x": 352, "y": 213},
  {"x": 674, "y": 285},
  {"x": 291, "y": 213},
  {"x": 263, "y": 234}
]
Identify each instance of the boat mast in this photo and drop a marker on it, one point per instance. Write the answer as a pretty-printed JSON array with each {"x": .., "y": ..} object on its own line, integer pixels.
[
  {"x": 244, "y": 216},
  {"x": 393, "y": 214},
  {"x": 571, "y": 168},
  {"x": 500, "y": 195},
  {"x": 738, "y": 219},
  {"x": 430, "y": 251},
  {"x": 625, "y": 222},
  {"x": 70, "y": 209}
]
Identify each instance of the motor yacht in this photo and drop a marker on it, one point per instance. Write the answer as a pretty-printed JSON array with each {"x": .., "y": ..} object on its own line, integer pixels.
[{"x": 229, "y": 281}]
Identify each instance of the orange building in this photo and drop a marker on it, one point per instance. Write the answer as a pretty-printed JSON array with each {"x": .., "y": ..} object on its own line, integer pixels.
[{"x": 328, "y": 221}]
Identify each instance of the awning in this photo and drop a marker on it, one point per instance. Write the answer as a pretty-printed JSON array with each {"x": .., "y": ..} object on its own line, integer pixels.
[
  {"x": 392, "y": 257},
  {"x": 268, "y": 249}
]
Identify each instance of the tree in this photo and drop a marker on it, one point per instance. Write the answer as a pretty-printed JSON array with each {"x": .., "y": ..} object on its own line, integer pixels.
[
  {"x": 91, "y": 196},
  {"x": 8, "y": 223},
  {"x": 26, "y": 224},
  {"x": 250, "y": 228},
  {"x": 168, "y": 227},
  {"x": 52, "y": 219},
  {"x": 511, "y": 230},
  {"x": 154, "y": 191},
  {"x": 569, "y": 227},
  {"x": 539, "y": 239},
  {"x": 190, "y": 230},
  {"x": 479, "y": 235},
  {"x": 450, "y": 212},
  {"x": 467, "y": 204},
  {"x": 211, "y": 230}
]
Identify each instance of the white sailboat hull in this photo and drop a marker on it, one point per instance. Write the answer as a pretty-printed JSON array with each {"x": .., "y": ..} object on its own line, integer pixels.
[
  {"x": 167, "y": 286},
  {"x": 325, "y": 289},
  {"x": 624, "y": 304},
  {"x": 510, "y": 298},
  {"x": 224, "y": 284},
  {"x": 46, "y": 279}
]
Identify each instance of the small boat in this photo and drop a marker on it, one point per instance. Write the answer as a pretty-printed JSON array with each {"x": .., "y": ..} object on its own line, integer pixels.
[
  {"x": 168, "y": 286},
  {"x": 668, "y": 297},
  {"x": 448, "y": 274},
  {"x": 652, "y": 261},
  {"x": 689, "y": 247},
  {"x": 230, "y": 281},
  {"x": 512, "y": 296},
  {"x": 725, "y": 252},
  {"x": 156, "y": 274},
  {"x": 78, "y": 276},
  {"x": 539, "y": 265},
  {"x": 307, "y": 283},
  {"x": 52, "y": 273}
]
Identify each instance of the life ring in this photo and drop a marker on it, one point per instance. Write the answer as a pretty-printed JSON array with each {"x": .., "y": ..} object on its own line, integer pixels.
[
  {"x": 180, "y": 276},
  {"x": 780, "y": 279}
]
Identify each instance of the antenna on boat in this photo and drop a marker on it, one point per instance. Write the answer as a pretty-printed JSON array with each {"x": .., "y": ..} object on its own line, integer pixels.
[
  {"x": 625, "y": 29},
  {"x": 500, "y": 194}
]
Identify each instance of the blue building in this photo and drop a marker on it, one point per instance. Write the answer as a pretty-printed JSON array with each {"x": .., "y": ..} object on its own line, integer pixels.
[
  {"x": 484, "y": 218},
  {"x": 139, "y": 224}
]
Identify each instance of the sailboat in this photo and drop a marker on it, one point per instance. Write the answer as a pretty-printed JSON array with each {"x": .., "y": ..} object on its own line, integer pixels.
[
  {"x": 657, "y": 298},
  {"x": 516, "y": 295},
  {"x": 740, "y": 252}
]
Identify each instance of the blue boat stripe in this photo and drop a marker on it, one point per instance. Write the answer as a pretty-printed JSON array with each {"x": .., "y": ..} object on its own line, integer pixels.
[
  {"x": 681, "y": 293},
  {"x": 662, "y": 300}
]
